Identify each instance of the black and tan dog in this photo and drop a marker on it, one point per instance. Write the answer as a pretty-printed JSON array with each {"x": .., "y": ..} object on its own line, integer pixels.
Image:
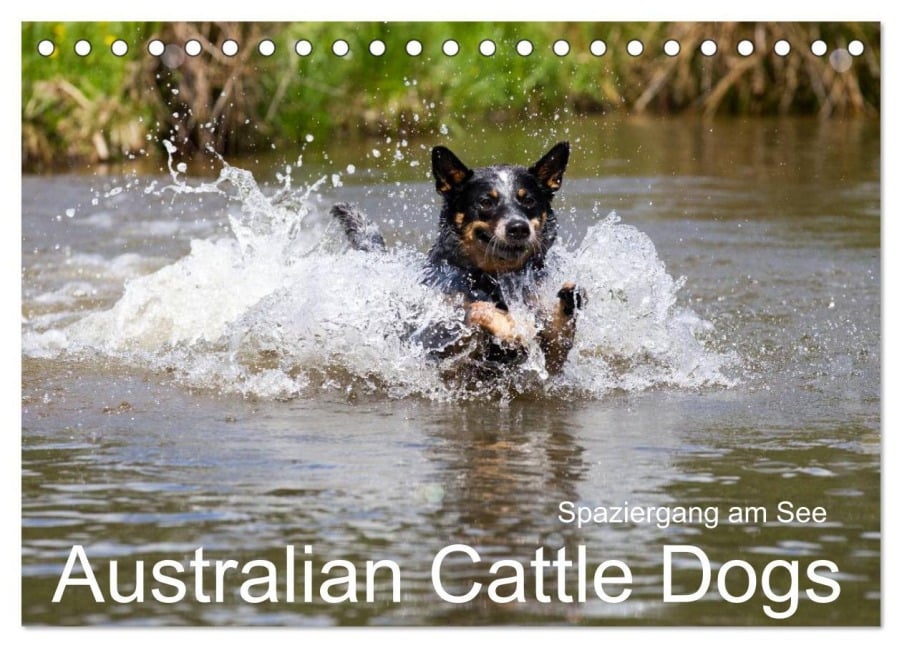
[{"x": 495, "y": 229}]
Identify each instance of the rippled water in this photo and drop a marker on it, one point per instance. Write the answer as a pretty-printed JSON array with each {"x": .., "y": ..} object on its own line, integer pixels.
[{"x": 205, "y": 365}]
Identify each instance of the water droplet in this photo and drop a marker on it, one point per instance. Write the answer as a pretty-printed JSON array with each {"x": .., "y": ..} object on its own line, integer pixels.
[{"x": 841, "y": 60}]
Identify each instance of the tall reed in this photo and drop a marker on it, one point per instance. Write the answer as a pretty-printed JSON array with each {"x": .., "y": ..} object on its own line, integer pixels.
[{"x": 101, "y": 107}]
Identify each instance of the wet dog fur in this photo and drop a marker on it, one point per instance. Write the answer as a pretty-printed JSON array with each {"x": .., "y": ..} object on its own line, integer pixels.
[{"x": 495, "y": 229}]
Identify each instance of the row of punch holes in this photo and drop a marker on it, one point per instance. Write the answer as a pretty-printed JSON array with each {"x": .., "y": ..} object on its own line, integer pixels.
[{"x": 487, "y": 47}]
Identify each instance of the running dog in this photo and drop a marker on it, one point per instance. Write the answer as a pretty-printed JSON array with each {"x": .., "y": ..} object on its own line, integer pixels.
[{"x": 495, "y": 229}]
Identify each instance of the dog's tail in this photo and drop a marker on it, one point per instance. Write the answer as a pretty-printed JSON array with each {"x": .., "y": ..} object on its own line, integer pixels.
[{"x": 361, "y": 233}]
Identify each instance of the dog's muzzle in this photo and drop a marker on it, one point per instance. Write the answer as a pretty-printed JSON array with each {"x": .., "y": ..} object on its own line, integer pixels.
[{"x": 517, "y": 231}]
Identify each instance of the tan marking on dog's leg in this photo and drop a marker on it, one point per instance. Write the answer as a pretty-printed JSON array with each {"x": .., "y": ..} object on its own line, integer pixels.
[
  {"x": 556, "y": 337},
  {"x": 493, "y": 320}
]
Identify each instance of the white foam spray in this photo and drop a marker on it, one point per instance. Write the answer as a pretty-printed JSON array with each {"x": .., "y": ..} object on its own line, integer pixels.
[{"x": 281, "y": 308}]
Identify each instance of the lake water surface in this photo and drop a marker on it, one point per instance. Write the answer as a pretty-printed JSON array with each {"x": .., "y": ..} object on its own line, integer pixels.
[{"x": 205, "y": 367}]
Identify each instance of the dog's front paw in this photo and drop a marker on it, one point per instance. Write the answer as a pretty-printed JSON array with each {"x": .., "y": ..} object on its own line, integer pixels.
[
  {"x": 498, "y": 323},
  {"x": 572, "y": 298}
]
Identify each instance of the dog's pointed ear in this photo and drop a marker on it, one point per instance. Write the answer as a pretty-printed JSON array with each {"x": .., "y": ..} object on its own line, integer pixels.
[
  {"x": 549, "y": 171},
  {"x": 448, "y": 170}
]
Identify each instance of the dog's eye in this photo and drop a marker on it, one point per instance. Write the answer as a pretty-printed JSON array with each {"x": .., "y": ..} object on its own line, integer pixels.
[
  {"x": 485, "y": 203},
  {"x": 527, "y": 201}
]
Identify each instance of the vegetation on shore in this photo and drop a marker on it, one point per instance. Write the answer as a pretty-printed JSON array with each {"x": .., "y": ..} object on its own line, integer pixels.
[{"x": 103, "y": 107}]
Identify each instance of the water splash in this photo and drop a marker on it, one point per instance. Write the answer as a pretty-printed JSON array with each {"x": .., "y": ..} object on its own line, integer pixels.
[{"x": 281, "y": 308}]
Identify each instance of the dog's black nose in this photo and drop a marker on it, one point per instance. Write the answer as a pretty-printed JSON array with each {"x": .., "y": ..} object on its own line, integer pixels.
[{"x": 517, "y": 230}]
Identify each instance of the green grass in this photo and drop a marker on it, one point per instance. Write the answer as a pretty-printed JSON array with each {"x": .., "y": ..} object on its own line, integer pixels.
[{"x": 104, "y": 107}]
